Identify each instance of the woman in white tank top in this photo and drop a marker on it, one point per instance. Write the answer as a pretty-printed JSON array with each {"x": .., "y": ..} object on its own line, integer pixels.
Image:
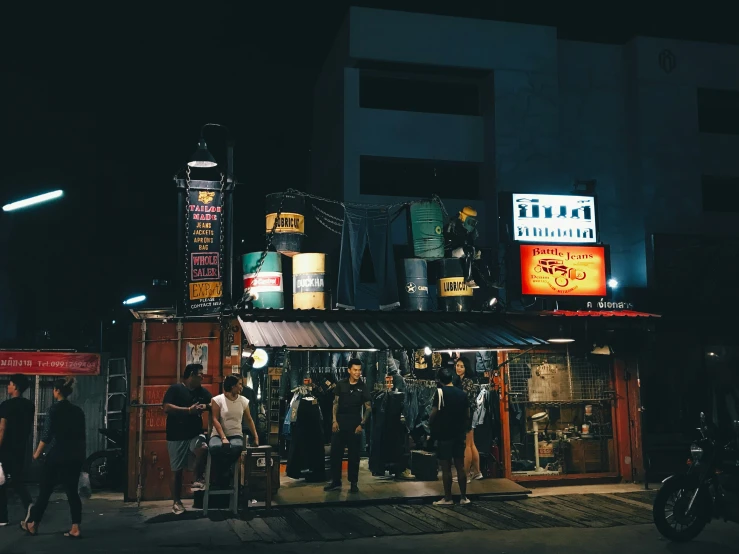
[{"x": 229, "y": 410}]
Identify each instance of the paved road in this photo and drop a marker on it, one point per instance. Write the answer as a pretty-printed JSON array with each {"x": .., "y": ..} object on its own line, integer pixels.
[{"x": 602, "y": 523}]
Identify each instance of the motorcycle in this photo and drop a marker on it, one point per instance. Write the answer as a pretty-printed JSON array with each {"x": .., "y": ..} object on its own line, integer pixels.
[
  {"x": 106, "y": 466},
  {"x": 708, "y": 490}
]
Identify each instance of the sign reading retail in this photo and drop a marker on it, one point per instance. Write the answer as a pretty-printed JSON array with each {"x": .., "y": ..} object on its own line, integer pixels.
[
  {"x": 204, "y": 275},
  {"x": 554, "y": 218},
  {"x": 49, "y": 363},
  {"x": 549, "y": 270}
]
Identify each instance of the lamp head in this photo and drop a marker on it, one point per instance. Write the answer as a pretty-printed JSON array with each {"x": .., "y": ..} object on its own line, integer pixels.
[{"x": 202, "y": 156}]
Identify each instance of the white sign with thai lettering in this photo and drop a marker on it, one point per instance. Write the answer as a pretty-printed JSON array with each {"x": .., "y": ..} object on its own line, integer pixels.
[{"x": 554, "y": 218}]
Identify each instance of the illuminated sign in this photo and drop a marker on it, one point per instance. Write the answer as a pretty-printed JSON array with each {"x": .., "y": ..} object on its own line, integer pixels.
[
  {"x": 548, "y": 270},
  {"x": 554, "y": 218}
]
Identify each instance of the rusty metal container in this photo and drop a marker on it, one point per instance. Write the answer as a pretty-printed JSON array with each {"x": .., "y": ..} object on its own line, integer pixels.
[{"x": 160, "y": 352}]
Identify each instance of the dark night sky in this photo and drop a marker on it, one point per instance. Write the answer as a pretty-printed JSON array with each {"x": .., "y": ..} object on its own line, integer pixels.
[{"x": 106, "y": 100}]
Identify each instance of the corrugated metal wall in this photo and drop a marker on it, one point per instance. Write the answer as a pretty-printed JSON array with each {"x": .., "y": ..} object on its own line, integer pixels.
[{"x": 89, "y": 394}]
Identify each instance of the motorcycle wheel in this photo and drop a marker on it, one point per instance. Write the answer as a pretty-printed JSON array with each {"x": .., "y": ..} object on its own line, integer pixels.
[
  {"x": 669, "y": 514},
  {"x": 98, "y": 465}
]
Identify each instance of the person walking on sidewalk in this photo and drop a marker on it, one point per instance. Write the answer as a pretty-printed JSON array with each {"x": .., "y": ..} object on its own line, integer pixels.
[
  {"x": 350, "y": 396},
  {"x": 184, "y": 404},
  {"x": 64, "y": 443},
  {"x": 448, "y": 422},
  {"x": 16, "y": 424}
]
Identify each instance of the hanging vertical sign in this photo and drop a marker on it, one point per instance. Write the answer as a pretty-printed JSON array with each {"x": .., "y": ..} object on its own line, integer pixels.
[{"x": 204, "y": 230}]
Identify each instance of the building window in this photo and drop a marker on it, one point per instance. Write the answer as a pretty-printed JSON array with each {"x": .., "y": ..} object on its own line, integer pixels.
[
  {"x": 718, "y": 111},
  {"x": 415, "y": 93},
  {"x": 419, "y": 178},
  {"x": 720, "y": 194}
]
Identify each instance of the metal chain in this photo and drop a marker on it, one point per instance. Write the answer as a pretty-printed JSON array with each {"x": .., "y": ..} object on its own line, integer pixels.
[
  {"x": 328, "y": 216},
  {"x": 186, "y": 280},
  {"x": 326, "y": 225},
  {"x": 270, "y": 237}
]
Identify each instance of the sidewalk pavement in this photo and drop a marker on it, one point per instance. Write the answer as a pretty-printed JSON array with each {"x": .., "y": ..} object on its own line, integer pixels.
[{"x": 111, "y": 526}]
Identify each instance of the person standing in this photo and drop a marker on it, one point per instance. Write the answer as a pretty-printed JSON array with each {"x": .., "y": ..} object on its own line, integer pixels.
[
  {"x": 350, "y": 396},
  {"x": 64, "y": 443},
  {"x": 184, "y": 404},
  {"x": 448, "y": 421},
  {"x": 465, "y": 381},
  {"x": 16, "y": 424}
]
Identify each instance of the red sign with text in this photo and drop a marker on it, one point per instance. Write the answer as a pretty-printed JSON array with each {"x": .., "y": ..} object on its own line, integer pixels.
[{"x": 49, "y": 363}]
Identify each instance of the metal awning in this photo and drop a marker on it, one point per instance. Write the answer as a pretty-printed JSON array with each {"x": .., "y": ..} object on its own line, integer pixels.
[{"x": 367, "y": 331}]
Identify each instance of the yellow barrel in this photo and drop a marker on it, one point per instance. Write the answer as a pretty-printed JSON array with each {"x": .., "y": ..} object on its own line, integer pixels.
[{"x": 309, "y": 282}]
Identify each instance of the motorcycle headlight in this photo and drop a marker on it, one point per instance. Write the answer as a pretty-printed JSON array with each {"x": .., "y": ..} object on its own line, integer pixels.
[{"x": 696, "y": 452}]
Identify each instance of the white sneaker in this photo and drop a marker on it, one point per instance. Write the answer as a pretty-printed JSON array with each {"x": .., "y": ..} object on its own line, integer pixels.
[
  {"x": 477, "y": 477},
  {"x": 178, "y": 508},
  {"x": 197, "y": 486},
  {"x": 3, "y": 523},
  {"x": 444, "y": 502},
  {"x": 406, "y": 475},
  {"x": 465, "y": 501}
]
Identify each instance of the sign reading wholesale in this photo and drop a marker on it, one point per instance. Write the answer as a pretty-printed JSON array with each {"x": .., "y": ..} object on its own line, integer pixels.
[
  {"x": 49, "y": 363},
  {"x": 572, "y": 270},
  {"x": 554, "y": 218}
]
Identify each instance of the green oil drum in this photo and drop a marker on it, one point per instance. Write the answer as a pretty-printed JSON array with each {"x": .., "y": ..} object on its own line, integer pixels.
[
  {"x": 267, "y": 286},
  {"x": 427, "y": 230}
]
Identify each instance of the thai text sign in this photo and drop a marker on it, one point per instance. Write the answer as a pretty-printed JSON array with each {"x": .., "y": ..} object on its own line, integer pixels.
[
  {"x": 205, "y": 282},
  {"x": 49, "y": 363},
  {"x": 563, "y": 270},
  {"x": 554, "y": 218}
]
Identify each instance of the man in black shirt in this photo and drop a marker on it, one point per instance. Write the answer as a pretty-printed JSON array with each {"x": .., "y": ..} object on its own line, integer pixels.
[
  {"x": 184, "y": 404},
  {"x": 350, "y": 396},
  {"x": 16, "y": 423},
  {"x": 448, "y": 422}
]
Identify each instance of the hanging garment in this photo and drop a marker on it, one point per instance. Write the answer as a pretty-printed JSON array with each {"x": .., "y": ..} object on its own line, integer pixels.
[
  {"x": 387, "y": 432},
  {"x": 306, "y": 458},
  {"x": 479, "y": 408},
  {"x": 367, "y": 227}
]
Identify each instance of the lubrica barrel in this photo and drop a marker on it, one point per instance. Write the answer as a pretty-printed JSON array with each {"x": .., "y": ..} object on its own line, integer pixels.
[
  {"x": 267, "y": 285},
  {"x": 309, "y": 282},
  {"x": 414, "y": 285},
  {"x": 290, "y": 228},
  {"x": 427, "y": 230},
  {"x": 454, "y": 294}
]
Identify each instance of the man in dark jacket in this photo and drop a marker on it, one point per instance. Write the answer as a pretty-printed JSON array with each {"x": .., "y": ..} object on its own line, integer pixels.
[{"x": 16, "y": 423}]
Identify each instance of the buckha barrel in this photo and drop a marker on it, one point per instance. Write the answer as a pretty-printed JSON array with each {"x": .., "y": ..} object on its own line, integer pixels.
[
  {"x": 290, "y": 229},
  {"x": 414, "y": 285},
  {"x": 427, "y": 230},
  {"x": 454, "y": 294},
  {"x": 267, "y": 286},
  {"x": 309, "y": 282}
]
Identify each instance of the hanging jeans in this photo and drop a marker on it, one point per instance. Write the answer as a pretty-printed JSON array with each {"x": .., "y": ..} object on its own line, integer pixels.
[{"x": 365, "y": 227}]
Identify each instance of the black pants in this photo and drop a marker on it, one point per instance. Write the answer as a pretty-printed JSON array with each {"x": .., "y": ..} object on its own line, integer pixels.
[
  {"x": 14, "y": 480},
  {"x": 345, "y": 438},
  {"x": 67, "y": 474}
]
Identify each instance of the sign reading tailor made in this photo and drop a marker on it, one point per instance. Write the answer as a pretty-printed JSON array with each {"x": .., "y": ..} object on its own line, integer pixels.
[
  {"x": 205, "y": 282},
  {"x": 49, "y": 363},
  {"x": 548, "y": 270},
  {"x": 554, "y": 218}
]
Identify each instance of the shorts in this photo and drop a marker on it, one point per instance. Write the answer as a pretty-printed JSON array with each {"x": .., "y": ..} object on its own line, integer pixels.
[
  {"x": 179, "y": 451},
  {"x": 450, "y": 449}
]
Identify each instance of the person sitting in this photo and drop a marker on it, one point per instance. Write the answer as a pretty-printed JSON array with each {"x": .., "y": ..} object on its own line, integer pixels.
[{"x": 230, "y": 411}]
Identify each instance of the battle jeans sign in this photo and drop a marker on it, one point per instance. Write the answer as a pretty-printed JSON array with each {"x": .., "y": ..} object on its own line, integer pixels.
[{"x": 204, "y": 278}]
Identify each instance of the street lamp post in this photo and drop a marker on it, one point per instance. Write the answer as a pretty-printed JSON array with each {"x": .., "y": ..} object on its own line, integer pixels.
[{"x": 202, "y": 158}]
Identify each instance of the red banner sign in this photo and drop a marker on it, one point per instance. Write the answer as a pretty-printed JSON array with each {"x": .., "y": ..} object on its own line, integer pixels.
[{"x": 49, "y": 363}]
